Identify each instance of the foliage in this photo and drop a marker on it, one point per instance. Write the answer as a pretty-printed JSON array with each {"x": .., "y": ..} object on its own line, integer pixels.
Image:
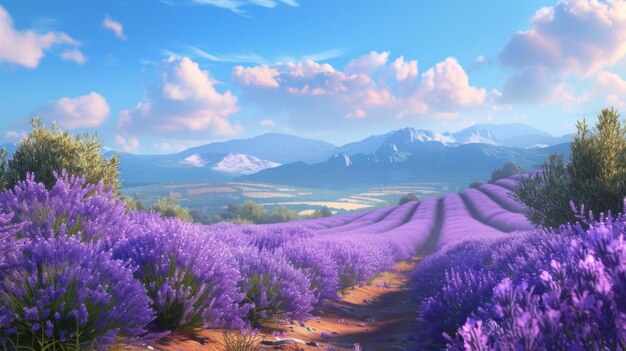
[
  {"x": 275, "y": 289},
  {"x": 71, "y": 207},
  {"x": 252, "y": 213},
  {"x": 190, "y": 278},
  {"x": 594, "y": 176},
  {"x": 134, "y": 203},
  {"x": 408, "y": 198},
  {"x": 168, "y": 207},
  {"x": 475, "y": 185},
  {"x": 321, "y": 213},
  {"x": 246, "y": 339},
  {"x": 61, "y": 294},
  {"x": 578, "y": 304},
  {"x": 508, "y": 170},
  {"x": 46, "y": 152}
]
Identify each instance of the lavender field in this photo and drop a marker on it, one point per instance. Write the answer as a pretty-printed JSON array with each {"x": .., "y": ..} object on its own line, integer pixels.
[{"x": 81, "y": 271}]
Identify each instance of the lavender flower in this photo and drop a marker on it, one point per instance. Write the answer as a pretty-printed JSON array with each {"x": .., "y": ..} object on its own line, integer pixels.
[{"x": 74, "y": 292}]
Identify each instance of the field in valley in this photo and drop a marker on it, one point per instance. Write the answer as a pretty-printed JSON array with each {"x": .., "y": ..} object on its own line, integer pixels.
[{"x": 211, "y": 197}]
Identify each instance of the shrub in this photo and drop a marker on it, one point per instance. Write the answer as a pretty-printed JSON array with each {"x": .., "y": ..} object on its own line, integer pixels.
[
  {"x": 408, "y": 198},
  {"x": 457, "y": 283},
  {"x": 581, "y": 304},
  {"x": 167, "y": 207},
  {"x": 246, "y": 339},
  {"x": 475, "y": 185},
  {"x": 508, "y": 170},
  {"x": 191, "y": 278},
  {"x": 275, "y": 289},
  {"x": 71, "y": 207},
  {"x": 48, "y": 151},
  {"x": 64, "y": 295},
  {"x": 594, "y": 176},
  {"x": 321, "y": 213},
  {"x": 312, "y": 259}
]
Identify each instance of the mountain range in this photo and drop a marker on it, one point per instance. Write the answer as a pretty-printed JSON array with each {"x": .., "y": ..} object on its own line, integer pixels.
[{"x": 402, "y": 155}]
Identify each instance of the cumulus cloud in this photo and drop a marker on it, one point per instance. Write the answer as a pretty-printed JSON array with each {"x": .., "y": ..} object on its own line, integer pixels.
[
  {"x": 613, "y": 88},
  {"x": 185, "y": 100},
  {"x": 263, "y": 76},
  {"x": 125, "y": 144},
  {"x": 534, "y": 84},
  {"x": 27, "y": 47},
  {"x": 114, "y": 26},
  {"x": 369, "y": 88},
  {"x": 87, "y": 111},
  {"x": 574, "y": 37}
]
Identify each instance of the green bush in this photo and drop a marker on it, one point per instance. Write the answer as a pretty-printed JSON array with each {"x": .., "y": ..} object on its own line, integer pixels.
[
  {"x": 475, "y": 185},
  {"x": 169, "y": 208},
  {"x": 48, "y": 150},
  {"x": 595, "y": 175},
  {"x": 408, "y": 198},
  {"x": 508, "y": 170}
]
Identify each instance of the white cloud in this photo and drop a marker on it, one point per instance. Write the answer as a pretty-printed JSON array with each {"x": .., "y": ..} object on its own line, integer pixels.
[
  {"x": 114, "y": 26},
  {"x": 312, "y": 95},
  {"x": 534, "y": 84},
  {"x": 575, "y": 37},
  {"x": 267, "y": 123},
  {"x": 87, "y": 111},
  {"x": 236, "y": 5},
  {"x": 263, "y": 76},
  {"x": 613, "y": 88},
  {"x": 404, "y": 70},
  {"x": 14, "y": 136},
  {"x": 27, "y": 47},
  {"x": 73, "y": 55},
  {"x": 185, "y": 100},
  {"x": 125, "y": 144}
]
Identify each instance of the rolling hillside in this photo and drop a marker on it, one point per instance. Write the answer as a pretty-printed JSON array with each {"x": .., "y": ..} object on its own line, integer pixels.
[{"x": 435, "y": 222}]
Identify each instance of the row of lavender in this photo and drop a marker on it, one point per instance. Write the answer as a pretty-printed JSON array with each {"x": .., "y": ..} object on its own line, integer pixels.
[
  {"x": 78, "y": 271},
  {"x": 561, "y": 289}
]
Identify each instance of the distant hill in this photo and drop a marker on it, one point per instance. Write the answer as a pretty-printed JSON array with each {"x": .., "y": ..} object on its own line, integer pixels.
[
  {"x": 410, "y": 162},
  {"x": 275, "y": 147}
]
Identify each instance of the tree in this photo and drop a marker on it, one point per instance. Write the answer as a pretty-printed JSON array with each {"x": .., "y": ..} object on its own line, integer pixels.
[
  {"x": 595, "y": 175},
  {"x": 253, "y": 212},
  {"x": 408, "y": 198},
  {"x": 475, "y": 185},
  {"x": 508, "y": 170},
  {"x": 46, "y": 151},
  {"x": 168, "y": 207}
]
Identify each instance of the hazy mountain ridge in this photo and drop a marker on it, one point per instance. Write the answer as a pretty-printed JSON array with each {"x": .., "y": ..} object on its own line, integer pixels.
[{"x": 401, "y": 155}]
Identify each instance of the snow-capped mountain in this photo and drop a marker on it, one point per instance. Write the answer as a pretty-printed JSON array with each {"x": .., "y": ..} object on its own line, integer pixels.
[{"x": 242, "y": 164}]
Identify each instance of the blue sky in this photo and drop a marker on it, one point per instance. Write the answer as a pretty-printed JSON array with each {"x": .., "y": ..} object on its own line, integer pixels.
[{"x": 157, "y": 76}]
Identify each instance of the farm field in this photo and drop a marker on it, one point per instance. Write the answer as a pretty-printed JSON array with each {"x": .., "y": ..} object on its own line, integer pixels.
[
  {"x": 378, "y": 313},
  {"x": 211, "y": 197}
]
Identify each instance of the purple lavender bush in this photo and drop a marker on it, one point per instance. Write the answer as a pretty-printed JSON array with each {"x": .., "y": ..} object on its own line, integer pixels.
[
  {"x": 72, "y": 207},
  {"x": 64, "y": 295},
  {"x": 457, "y": 283},
  {"x": 274, "y": 288},
  {"x": 581, "y": 306},
  {"x": 190, "y": 277},
  {"x": 313, "y": 260}
]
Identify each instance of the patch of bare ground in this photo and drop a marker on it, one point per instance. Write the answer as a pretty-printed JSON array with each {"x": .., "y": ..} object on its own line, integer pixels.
[{"x": 379, "y": 315}]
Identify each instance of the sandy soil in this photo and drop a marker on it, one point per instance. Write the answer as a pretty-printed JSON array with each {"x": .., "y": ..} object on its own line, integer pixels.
[{"x": 379, "y": 316}]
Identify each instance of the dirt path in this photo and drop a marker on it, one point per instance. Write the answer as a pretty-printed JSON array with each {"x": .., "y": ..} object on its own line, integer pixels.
[{"x": 379, "y": 316}]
